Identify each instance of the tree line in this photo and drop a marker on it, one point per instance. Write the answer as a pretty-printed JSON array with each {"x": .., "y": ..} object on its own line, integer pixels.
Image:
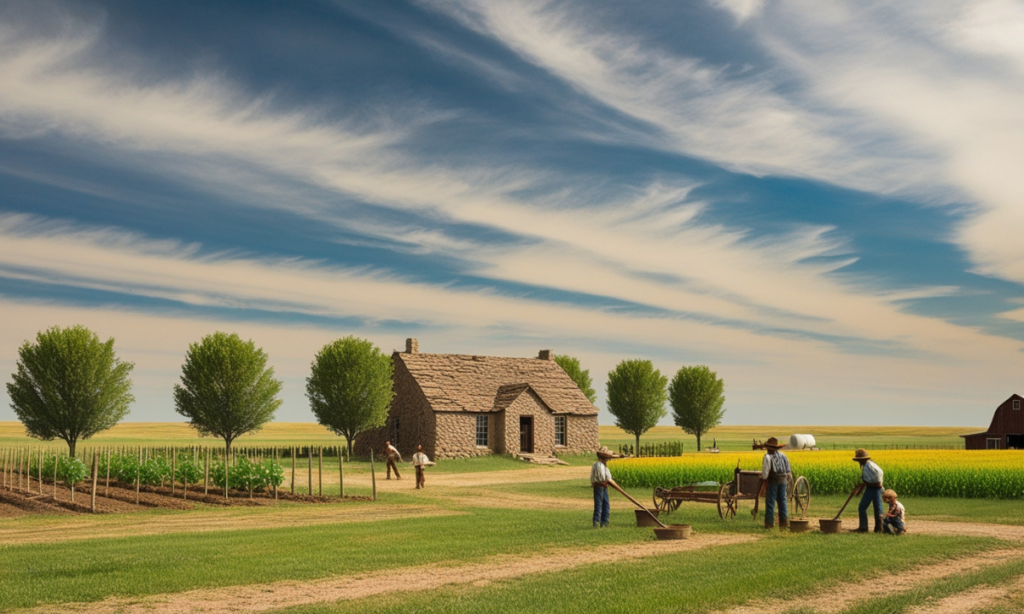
[
  {"x": 70, "y": 385},
  {"x": 637, "y": 392}
]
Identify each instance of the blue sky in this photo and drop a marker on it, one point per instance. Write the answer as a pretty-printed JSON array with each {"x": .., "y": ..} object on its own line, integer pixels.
[{"x": 819, "y": 200}]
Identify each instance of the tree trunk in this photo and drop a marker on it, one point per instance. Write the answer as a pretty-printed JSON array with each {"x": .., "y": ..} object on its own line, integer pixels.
[
  {"x": 349, "y": 451},
  {"x": 637, "y": 449},
  {"x": 227, "y": 447},
  {"x": 698, "y": 441},
  {"x": 72, "y": 444}
]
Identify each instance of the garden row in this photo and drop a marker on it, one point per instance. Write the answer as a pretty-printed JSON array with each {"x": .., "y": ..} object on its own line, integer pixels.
[
  {"x": 972, "y": 474},
  {"x": 169, "y": 470}
]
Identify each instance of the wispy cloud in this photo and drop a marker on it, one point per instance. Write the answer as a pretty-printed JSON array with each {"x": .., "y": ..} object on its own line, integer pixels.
[{"x": 780, "y": 301}]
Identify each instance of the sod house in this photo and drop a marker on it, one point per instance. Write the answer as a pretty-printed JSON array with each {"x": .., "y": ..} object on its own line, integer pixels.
[{"x": 457, "y": 405}]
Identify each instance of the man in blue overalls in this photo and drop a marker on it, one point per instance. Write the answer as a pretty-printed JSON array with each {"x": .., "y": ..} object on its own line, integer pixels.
[
  {"x": 775, "y": 471},
  {"x": 871, "y": 486}
]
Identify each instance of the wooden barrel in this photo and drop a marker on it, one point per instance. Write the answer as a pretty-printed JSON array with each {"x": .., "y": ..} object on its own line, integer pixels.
[
  {"x": 828, "y": 525},
  {"x": 643, "y": 519}
]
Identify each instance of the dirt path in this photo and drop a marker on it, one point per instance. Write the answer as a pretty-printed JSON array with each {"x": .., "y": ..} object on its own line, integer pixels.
[
  {"x": 971, "y": 601},
  {"x": 971, "y": 529},
  {"x": 73, "y": 527},
  {"x": 479, "y": 478},
  {"x": 837, "y": 598},
  {"x": 262, "y": 597}
]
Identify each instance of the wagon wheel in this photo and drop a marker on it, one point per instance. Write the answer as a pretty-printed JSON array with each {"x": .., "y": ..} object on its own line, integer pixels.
[
  {"x": 801, "y": 497},
  {"x": 729, "y": 504},
  {"x": 661, "y": 501}
]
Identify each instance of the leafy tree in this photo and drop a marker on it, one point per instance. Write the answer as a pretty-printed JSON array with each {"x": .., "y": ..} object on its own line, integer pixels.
[
  {"x": 350, "y": 388},
  {"x": 226, "y": 388},
  {"x": 577, "y": 374},
  {"x": 69, "y": 385},
  {"x": 697, "y": 396},
  {"x": 636, "y": 396}
]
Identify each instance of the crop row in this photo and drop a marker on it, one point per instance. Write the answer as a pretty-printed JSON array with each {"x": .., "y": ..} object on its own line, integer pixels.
[{"x": 971, "y": 474}]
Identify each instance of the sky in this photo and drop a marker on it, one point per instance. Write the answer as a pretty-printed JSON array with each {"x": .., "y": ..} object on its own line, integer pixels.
[{"x": 820, "y": 200}]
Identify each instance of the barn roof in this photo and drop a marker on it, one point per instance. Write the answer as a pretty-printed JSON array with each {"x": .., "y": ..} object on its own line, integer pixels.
[{"x": 465, "y": 383}]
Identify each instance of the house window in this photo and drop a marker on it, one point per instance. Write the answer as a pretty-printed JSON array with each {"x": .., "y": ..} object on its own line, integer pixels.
[
  {"x": 481, "y": 430},
  {"x": 560, "y": 430},
  {"x": 1016, "y": 403},
  {"x": 992, "y": 444}
]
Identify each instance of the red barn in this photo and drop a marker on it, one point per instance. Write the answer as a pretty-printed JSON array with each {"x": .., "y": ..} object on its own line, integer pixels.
[{"x": 1006, "y": 431}]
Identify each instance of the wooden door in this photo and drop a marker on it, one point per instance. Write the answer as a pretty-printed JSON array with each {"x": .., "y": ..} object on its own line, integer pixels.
[{"x": 526, "y": 434}]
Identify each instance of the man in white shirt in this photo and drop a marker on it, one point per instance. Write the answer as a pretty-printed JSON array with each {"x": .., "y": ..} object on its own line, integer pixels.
[
  {"x": 392, "y": 454},
  {"x": 419, "y": 461},
  {"x": 775, "y": 472},
  {"x": 871, "y": 486},
  {"x": 600, "y": 478}
]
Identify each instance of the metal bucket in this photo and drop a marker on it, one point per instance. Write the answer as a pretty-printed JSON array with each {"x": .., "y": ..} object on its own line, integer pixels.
[
  {"x": 674, "y": 531},
  {"x": 830, "y": 526},
  {"x": 799, "y": 525},
  {"x": 643, "y": 519}
]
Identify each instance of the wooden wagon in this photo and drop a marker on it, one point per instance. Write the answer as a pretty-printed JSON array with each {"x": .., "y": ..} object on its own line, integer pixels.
[{"x": 731, "y": 496}]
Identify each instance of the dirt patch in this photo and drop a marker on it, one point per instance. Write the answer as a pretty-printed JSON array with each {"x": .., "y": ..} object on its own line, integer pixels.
[
  {"x": 262, "y": 597},
  {"x": 970, "y": 601},
  {"x": 970, "y": 529},
  {"x": 837, "y": 598}
]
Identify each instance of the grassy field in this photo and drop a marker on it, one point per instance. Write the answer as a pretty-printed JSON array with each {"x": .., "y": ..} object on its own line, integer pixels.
[
  {"x": 462, "y": 522},
  {"x": 476, "y": 512},
  {"x": 728, "y": 437}
]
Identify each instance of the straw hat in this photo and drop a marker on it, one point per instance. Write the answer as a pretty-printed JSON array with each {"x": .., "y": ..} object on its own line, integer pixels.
[
  {"x": 889, "y": 494},
  {"x": 774, "y": 444},
  {"x": 861, "y": 455},
  {"x": 604, "y": 452}
]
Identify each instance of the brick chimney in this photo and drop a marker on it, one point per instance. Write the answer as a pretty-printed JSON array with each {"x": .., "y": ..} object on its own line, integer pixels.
[
  {"x": 412, "y": 346},
  {"x": 545, "y": 355}
]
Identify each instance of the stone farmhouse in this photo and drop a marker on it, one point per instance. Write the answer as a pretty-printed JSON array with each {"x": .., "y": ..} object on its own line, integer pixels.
[{"x": 457, "y": 405}]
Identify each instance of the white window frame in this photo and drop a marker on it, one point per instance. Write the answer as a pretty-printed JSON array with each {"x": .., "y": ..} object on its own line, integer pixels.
[
  {"x": 1016, "y": 404},
  {"x": 989, "y": 441},
  {"x": 483, "y": 423},
  {"x": 564, "y": 431}
]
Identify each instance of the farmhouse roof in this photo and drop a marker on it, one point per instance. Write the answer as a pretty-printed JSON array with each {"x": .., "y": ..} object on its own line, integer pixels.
[{"x": 465, "y": 383}]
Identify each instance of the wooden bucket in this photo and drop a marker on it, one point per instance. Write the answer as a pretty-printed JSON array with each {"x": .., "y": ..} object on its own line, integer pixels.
[
  {"x": 828, "y": 525},
  {"x": 674, "y": 531},
  {"x": 643, "y": 519},
  {"x": 799, "y": 525}
]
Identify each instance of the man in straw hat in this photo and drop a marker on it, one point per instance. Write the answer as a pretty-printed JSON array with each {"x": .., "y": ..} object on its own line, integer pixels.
[
  {"x": 871, "y": 486},
  {"x": 600, "y": 478},
  {"x": 775, "y": 471}
]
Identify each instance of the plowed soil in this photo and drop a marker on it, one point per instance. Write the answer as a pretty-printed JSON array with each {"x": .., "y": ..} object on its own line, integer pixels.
[{"x": 123, "y": 499}]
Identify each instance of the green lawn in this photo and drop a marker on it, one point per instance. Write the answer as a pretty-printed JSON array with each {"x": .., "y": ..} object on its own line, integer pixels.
[
  {"x": 779, "y": 567},
  {"x": 87, "y": 570}
]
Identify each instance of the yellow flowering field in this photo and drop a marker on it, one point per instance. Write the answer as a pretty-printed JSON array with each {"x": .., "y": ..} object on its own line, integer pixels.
[{"x": 978, "y": 474}]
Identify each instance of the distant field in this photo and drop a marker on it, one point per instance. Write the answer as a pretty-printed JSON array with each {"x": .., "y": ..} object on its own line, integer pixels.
[
  {"x": 839, "y": 437},
  {"x": 729, "y": 437}
]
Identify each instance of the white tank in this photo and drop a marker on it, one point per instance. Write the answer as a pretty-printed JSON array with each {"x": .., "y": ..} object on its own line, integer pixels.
[{"x": 801, "y": 442}]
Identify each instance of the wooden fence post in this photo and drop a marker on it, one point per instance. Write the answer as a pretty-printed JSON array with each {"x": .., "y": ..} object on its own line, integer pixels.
[
  {"x": 320, "y": 471},
  {"x": 95, "y": 474},
  {"x": 373, "y": 476},
  {"x": 293, "y": 470},
  {"x": 106, "y": 490},
  {"x": 174, "y": 468},
  {"x": 341, "y": 476},
  {"x": 206, "y": 475},
  {"x": 39, "y": 469},
  {"x": 276, "y": 465},
  {"x": 138, "y": 476},
  {"x": 309, "y": 482},
  {"x": 56, "y": 461},
  {"x": 226, "y": 481}
]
